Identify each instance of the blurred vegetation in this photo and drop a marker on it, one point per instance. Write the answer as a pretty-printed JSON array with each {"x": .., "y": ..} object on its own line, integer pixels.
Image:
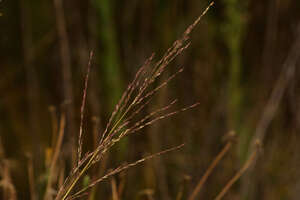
[{"x": 236, "y": 56}]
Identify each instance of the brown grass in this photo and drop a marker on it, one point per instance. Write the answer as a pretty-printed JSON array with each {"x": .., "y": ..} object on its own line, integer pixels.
[{"x": 123, "y": 120}]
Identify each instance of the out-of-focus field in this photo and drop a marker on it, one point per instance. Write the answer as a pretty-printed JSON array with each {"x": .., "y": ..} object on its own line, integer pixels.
[{"x": 242, "y": 66}]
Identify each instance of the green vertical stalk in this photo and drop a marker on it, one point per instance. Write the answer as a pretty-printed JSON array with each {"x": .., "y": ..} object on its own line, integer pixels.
[
  {"x": 233, "y": 35},
  {"x": 234, "y": 29},
  {"x": 110, "y": 59}
]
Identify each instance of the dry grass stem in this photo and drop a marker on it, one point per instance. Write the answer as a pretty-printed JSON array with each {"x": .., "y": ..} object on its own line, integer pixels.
[
  {"x": 121, "y": 186},
  {"x": 54, "y": 121},
  {"x": 211, "y": 168},
  {"x": 114, "y": 189},
  {"x": 48, "y": 194},
  {"x": 31, "y": 181},
  {"x": 83, "y": 106},
  {"x": 9, "y": 190},
  {"x": 286, "y": 75},
  {"x": 65, "y": 56},
  {"x": 269, "y": 112},
  {"x": 148, "y": 193},
  {"x": 246, "y": 166},
  {"x": 183, "y": 185}
]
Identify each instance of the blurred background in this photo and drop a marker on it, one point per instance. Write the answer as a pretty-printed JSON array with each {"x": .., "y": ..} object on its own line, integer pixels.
[{"x": 242, "y": 66}]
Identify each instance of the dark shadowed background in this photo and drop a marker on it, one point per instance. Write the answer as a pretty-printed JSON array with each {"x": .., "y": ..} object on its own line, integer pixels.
[{"x": 242, "y": 66}]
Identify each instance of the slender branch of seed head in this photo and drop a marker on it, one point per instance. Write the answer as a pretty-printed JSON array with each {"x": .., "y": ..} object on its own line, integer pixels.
[
  {"x": 135, "y": 129},
  {"x": 159, "y": 68},
  {"x": 125, "y": 167},
  {"x": 115, "y": 126},
  {"x": 78, "y": 196},
  {"x": 136, "y": 81},
  {"x": 132, "y": 86},
  {"x": 169, "y": 59},
  {"x": 162, "y": 62},
  {"x": 135, "y": 113},
  {"x": 86, "y": 167},
  {"x": 114, "y": 113},
  {"x": 120, "y": 104},
  {"x": 183, "y": 39},
  {"x": 67, "y": 183},
  {"x": 139, "y": 98},
  {"x": 141, "y": 124},
  {"x": 154, "y": 113},
  {"x": 160, "y": 86},
  {"x": 139, "y": 78},
  {"x": 149, "y": 94},
  {"x": 191, "y": 27},
  {"x": 124, "y": 114},
  {"x": 124, "y": 124},
  {"x": 75, "y": 170},
  {"x": 131, "y": 105},
  {"x": 126, "y": 95},
  {"x": 83, "y": 106},
  {"x": 85, "y": 158},
  {"x": 157, "y": 73},
  {"x": 142, "y": 120}
]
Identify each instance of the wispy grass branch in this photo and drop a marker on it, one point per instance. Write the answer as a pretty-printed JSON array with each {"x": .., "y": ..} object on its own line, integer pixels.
[{"x": 124, "y": 119}]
